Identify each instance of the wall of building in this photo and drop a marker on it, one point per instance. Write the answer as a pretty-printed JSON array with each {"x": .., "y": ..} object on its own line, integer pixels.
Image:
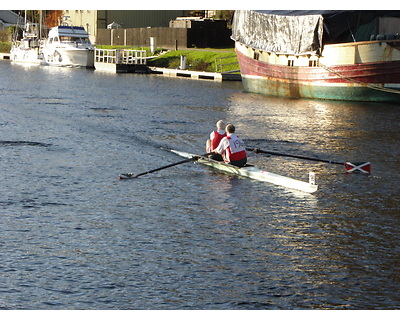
[
  {"x": 211, "y": 37},
  {"x": 389, "y": 25},
  {"x": 169, "y": 38},
  {"x": 83, "y": 18},
  {"x": 137, "y": 26},
  {"x": 92, "y": 20},
  {"x": 10, "y": 18},
  {"x": 138, "y": 18}
]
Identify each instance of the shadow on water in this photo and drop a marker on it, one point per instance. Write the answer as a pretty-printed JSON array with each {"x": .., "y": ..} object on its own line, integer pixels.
[{"x": 24, "y": 143}]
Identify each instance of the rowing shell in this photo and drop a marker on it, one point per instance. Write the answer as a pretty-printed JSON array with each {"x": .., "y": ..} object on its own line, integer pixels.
[{"x": 253, "y": 172}]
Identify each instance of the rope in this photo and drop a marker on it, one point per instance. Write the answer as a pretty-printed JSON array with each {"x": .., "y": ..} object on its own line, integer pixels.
[{"x": 371, "y": 86}]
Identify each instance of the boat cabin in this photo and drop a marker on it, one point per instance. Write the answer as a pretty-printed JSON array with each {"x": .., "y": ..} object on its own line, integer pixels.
[{"x": 69, "y": 35}]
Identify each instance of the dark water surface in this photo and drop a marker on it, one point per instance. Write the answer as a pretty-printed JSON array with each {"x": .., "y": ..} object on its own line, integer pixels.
[{"x": 73, "y": 236}]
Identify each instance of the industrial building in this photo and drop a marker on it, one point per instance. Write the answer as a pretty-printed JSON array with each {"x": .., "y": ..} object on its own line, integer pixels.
[{"x": 93, "y": 20}]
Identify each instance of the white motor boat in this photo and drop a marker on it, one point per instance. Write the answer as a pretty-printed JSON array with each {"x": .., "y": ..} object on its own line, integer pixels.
[{"x": 68, "y": 46}]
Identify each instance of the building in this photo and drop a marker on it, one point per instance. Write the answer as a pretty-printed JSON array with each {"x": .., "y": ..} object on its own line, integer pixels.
[
  {"x": 9, "y": 18},
  {"x": 93, "y": 20}
]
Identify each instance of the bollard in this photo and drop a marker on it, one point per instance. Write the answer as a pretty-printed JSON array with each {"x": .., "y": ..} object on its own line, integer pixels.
[
  {"x": 183, "y": 63},
  {"x": 152, "y": 45}
]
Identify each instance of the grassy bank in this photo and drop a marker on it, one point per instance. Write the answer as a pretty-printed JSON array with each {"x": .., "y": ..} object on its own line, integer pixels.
[{"x": 211, "y": 60}]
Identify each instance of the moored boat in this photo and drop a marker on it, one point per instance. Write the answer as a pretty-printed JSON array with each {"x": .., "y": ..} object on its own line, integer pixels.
[
  {"x": 256, "y": 173},
  {"x": 68, "y": 46},
  {"x": 27, "y": 49},
  {"x": 336, "y": 55}
]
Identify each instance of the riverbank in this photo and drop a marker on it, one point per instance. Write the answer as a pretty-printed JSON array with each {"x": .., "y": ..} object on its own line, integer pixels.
[
  {"x": 138, "y": 61},
  {"x": 208, "y": 60},
  {"x": 4, "y": 56}
]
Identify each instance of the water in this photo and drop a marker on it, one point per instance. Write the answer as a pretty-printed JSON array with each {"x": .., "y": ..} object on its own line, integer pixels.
[{"x": 73, "y": 236}]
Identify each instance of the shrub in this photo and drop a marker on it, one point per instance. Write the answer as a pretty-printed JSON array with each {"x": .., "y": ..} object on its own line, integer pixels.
[{"x": 5, "y": 47}]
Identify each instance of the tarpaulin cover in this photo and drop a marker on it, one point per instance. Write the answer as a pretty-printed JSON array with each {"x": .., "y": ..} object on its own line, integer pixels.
[
  {"x": 303, "y": 31},
  {"x": 285, "y": 34}
]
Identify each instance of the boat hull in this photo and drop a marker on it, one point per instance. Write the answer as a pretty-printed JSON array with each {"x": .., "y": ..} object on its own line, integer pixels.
[
  {"x": 373, "y": 80},
  {"x": 66, "y": 57},
  {"x": 28, "y": 56},
  {"x": 254, "y": 173},
  {"x": 288, "y": 89}
]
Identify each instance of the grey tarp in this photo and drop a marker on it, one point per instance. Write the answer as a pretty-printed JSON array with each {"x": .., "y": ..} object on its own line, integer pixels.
[
  {"x": 305, "y": 31},
  {"x": 285, "y": 34}
]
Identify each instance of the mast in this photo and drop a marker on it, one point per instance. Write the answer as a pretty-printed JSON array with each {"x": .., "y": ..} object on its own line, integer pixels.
[{"x": 40, "y": 24}]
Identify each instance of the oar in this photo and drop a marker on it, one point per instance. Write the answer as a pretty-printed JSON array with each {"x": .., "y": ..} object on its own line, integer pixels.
[
  {"x": 132, "y": 176},
  {"x": 364, "y": 167}
]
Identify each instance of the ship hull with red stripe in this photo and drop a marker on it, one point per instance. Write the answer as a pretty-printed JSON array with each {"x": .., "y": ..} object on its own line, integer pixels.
[{"x": 376, "y": 79}]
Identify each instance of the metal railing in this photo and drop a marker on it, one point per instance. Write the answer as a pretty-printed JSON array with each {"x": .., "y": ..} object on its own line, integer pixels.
[
  {"x": 220, "y": 63},
  {"x": 120, "y": 56}
]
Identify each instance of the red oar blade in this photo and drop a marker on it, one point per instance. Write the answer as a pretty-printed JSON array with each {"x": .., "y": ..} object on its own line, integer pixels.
[{"x": 364, "y": 167}]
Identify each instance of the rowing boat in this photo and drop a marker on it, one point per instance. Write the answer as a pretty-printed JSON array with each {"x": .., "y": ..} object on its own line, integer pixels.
[{"x": 253, "y": 172}]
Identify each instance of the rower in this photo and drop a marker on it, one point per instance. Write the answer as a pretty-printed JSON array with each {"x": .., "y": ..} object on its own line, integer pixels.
[
  {"x": 232, "y": 147},
  {"x": 215, "y": 138}
]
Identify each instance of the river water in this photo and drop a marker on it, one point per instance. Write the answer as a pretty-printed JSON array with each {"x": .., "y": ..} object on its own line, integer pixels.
[{"x": 73, "y": 236}]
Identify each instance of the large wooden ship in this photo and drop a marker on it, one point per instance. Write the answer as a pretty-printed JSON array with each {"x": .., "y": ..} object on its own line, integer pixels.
[{"x": 336, "y": 55}]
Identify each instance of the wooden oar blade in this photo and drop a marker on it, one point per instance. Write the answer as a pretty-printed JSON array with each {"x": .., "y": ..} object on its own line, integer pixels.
[{"x": 364, "y": 167}]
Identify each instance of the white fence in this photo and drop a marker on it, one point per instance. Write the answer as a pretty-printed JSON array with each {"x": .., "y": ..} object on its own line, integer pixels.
[{"x": 120, "y": 56}]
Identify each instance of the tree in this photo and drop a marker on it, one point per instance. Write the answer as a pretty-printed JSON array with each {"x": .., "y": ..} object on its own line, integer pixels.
[
  {"x": 225, "y": 15},
  {"x": 52, "y": 18}
]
